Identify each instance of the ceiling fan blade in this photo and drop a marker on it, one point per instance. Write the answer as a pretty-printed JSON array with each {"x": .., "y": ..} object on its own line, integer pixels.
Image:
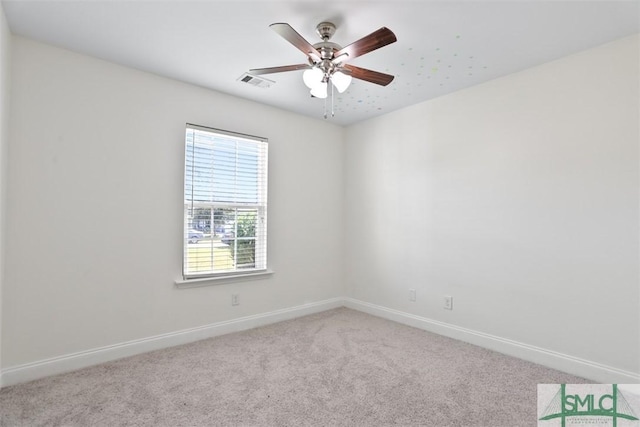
[
  {"x": 292, "y": 36},
  {"x": 373, "y": 41},
  {"x": 369, "y": 75},
  {"x": 258, "y": 71}
]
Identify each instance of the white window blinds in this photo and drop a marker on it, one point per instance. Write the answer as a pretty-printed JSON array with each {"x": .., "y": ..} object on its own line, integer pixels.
[{"x": 225, "y": 203}]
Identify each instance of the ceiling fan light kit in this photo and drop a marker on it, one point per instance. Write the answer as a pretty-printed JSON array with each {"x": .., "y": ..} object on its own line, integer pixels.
[
  {"x": 319, "y": 90},
  {"x": 312, "y": 77},
  {"x": 341, "y": 80},
  {"x": 316, "y": 80},
  {"x": 326, "y": 60}
]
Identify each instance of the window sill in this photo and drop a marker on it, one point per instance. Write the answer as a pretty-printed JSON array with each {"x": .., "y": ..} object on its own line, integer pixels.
[{"x": 219, "y": 280}]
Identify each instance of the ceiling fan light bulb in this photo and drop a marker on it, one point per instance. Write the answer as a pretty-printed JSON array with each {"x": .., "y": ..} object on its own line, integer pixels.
[
  {"x": 312, "y": 77},
  {"x": 320, "y": 91},
  {"x": 341, "y": 81}
]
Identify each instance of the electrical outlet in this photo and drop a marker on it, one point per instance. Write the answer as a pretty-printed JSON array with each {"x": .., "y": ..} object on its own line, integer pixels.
[
  {"x": 412, "y": 294},
  {"x": 448, "y": 302},
  {"x": 235, "y": 299}
]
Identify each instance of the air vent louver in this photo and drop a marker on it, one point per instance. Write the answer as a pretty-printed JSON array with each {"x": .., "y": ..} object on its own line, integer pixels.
[{"x": 255, "y": 81}]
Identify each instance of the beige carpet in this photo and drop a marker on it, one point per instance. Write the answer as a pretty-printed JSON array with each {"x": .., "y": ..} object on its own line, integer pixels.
[{"x": 336, "y": 368}]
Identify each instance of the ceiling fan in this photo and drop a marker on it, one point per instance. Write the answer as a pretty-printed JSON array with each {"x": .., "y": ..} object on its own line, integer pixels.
[{"x": 327, "y": 60}]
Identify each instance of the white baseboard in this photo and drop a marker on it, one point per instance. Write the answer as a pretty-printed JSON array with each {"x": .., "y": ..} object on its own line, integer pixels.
[
  {"x": 573, "y": 365},
  {"x": 583, "y": 368},
  {"x": 83, "y": 359}
]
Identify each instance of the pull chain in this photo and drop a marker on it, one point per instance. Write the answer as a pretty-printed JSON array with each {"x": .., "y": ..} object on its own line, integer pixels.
[
  {"x": 325, "y": 108},
  {"x": 332, "y": 112}
]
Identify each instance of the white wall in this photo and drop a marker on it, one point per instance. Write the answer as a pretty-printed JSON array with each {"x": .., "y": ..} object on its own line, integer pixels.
[
  {"x": 5, "y": 56},
  {"x": 518, "y": 197},
  {"x": 95, "y": 206}
]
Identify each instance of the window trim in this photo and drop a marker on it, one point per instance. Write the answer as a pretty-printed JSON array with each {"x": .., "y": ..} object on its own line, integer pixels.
[{"x": 223, "y": 278}]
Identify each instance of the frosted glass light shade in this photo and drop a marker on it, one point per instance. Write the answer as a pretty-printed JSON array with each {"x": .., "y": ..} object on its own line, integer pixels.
[
  {"x": 312, "y": 77},
  {"x": 320, "y": 91},
  {"x": 341, "y": 81}
]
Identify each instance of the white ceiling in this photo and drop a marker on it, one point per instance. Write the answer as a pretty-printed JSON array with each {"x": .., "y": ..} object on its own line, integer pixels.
[{"x": 442, "y": 46}]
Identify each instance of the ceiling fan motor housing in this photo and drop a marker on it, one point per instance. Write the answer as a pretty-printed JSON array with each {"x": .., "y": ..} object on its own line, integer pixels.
[{"x": 327, "y": 49}]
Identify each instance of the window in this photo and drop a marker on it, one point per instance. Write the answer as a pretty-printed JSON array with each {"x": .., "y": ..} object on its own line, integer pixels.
[{"x": 225, "y": 203}]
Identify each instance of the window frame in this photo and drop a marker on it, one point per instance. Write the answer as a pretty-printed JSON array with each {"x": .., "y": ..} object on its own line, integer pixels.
[{"x": 260, "y": 207}]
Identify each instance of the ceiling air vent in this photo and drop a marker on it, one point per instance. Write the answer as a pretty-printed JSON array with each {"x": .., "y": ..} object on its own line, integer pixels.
[{"x": 255, "y": 81}]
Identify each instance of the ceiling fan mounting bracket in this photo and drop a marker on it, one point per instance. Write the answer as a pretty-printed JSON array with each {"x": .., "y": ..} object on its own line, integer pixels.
[{"x": 325, "y": 30}]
